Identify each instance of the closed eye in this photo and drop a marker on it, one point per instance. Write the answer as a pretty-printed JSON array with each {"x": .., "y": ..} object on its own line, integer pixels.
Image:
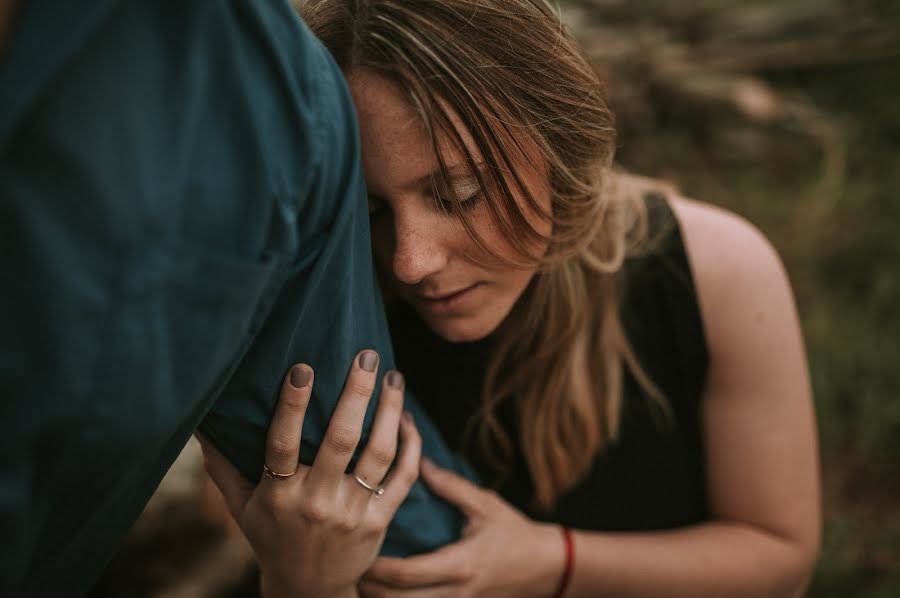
[
  {"x": 379, "y": 207},
  {"x": 463, "y": 205}
]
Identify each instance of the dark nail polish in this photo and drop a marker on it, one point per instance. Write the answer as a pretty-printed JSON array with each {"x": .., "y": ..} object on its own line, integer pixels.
[
  {"x": 368, "y": 361},
  {"x": 395, "y": 379},
  {"x": 299, "y": 377}
]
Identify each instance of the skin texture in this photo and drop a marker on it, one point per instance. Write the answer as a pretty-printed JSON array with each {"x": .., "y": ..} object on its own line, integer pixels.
[
  {"x": 421, "y": 251},
  {"x": 758, "y": 423},
  {"x": 763, "y": 482},
  {"x": 762, "y": 463},
  {"x": 341, "y": 523}
]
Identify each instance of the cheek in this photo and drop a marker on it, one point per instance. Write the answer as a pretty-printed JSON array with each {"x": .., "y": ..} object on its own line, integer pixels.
[
  {"x": 499, "y": 247},
  {"x": 514, "y": 283},
  {"x": 495, "y": 243}
]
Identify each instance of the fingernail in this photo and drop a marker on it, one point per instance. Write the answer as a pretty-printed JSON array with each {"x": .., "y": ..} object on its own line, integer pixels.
[
  {"x": 368, "y": 360},
  {"x": 299, "y": 376},
  {"x": 395, "y": 379},
  {"x": 408, "y": 417}
]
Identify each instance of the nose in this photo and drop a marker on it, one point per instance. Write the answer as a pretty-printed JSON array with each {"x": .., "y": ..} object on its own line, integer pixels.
[{"x": 419, "y": 250}]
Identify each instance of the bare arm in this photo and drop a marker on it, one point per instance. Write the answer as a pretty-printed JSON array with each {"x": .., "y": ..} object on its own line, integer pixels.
[
  {"x": 763, "y": 482},
  {"x": 762, "y": 467}
]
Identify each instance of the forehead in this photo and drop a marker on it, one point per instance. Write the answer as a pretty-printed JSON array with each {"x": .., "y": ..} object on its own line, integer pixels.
[{"x": 396, "y": 148}]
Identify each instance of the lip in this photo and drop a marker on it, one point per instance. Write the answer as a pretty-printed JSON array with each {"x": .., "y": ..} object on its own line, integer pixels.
[{"x": 449, "y": 302}]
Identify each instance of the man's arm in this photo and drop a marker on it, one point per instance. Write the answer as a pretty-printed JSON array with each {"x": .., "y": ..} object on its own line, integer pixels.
[{"x": 328, "y": 308}]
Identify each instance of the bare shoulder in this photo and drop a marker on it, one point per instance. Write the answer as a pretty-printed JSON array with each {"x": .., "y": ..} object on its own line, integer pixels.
[
  {"x": 724, "y": 248},
  {"x": 759, "y": 426},
  {"x": 752, "y": 327},
  {"x": 741, "y": 283}
]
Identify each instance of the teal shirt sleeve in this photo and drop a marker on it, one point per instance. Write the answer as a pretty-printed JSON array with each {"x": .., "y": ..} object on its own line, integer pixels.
[{"x": 182, "y": 217}]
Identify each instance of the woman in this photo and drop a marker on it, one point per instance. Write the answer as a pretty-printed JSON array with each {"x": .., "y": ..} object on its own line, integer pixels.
[{"x": 620, "y": 365}]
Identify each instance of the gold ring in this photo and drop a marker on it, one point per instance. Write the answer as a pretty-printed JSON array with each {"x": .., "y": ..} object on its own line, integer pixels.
[
  {"x": 275, "y": 475},
  {"x": 376, "y": 491}
]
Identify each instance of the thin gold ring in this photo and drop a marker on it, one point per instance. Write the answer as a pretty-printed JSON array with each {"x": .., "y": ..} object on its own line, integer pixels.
[
  {"x": 275, "y": 475},
  {"x": 376, "y": 491}
]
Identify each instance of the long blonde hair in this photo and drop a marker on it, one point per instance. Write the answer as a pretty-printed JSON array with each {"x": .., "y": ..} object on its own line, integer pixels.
[{"x": 510, "y": 71}]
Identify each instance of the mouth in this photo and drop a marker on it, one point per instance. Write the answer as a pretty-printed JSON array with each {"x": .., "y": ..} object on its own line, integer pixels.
[
  {"x": 445, "y": 296},
  {"x": 446, "y": 302}
]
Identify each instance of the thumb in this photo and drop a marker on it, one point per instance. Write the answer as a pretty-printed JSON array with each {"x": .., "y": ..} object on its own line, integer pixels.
[
  {"x": 453, "y": 488},
  {"x": 231, "y": 484}
]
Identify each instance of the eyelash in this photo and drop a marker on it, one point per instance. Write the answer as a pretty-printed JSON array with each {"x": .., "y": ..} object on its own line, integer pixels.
[
  {"x": 463, "y": 205},
  {"x": 376, "y": 207}
]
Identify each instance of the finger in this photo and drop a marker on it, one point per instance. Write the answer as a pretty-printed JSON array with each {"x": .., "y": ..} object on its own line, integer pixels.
[
  {"x": 233, "y": 486},
  {"x": 344, "y": 429},
  {"x": 453, "y": 488},
  {"x": 406, "y": 468},
  {"x": 447, "y": 565},
  {"x": 283, "y": 441},
  {"x": 381, "y": 448}
]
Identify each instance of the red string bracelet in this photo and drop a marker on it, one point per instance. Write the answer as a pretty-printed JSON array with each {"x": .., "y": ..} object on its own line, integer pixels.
[{"x": 570, "y": 563}]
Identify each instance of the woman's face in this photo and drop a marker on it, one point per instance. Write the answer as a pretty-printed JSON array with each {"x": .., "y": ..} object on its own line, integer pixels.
[{"x": 462, "y": 292}]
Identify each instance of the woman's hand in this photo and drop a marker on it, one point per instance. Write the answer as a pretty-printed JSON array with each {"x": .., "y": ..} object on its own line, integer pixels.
[
  {"x": 501, "y": 553},
  {"x": 315, "y": 530}
]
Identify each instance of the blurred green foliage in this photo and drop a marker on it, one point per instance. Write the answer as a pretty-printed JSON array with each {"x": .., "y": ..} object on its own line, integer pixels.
[{"x": 838, "y": 232}]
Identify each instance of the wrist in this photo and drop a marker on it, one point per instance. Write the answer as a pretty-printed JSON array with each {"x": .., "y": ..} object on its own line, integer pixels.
[
  {"x": 568, "y": 565},
  {"x": 551, "y": 550}
]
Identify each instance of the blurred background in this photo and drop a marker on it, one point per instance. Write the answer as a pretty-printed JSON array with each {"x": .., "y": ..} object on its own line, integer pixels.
[{"x": 787, "y": 112}]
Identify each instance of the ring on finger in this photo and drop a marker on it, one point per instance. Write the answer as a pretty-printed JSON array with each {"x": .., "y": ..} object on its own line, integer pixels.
[
  {"x": 377, "y": 491},
  {"x": 274, "y": 475}
]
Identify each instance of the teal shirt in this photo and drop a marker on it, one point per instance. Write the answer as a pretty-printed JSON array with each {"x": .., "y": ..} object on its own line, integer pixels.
[{"x": 182, "y": 217}]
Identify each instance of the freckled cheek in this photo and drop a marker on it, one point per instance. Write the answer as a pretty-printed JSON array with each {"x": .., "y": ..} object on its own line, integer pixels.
[{"x": 496, "y": 244}]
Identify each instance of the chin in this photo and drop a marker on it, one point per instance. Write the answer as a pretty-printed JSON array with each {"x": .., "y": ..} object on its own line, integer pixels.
[{"x": 461, "y": 329}]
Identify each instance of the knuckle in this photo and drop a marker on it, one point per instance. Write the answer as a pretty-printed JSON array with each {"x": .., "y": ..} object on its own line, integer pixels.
[
  {"x": 375, "y": 525},
  {"x": 396, "y": 577},
  {"x": 414, "y": 438},
  {"x": 348, "y": 522},
  {"x": 281, "y": 447},
  {"x": 382, "y": 456},
  {"x": 409, "y": 473},
  {"x": 408, "y": 477},
  {"x": 342, "y": 440},
  {"x": 360, "y": 388},
  {"x": 295, "y": 400},
  {"x": 415, "y": 459},
  {"x": 316, "y": 511},
  {"x": 465, "y": 571},
  {"x": 416, "y": 441},
  {"x": 404, "y": 578}
]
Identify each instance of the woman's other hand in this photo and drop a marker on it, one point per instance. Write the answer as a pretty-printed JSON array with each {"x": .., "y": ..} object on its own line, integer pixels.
[
  {"x": 315, "y": 529},
  {"x": 501, "y": 553}
]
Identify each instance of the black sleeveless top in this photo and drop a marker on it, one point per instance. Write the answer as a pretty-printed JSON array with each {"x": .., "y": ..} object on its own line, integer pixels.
[{"x": 653, "y": 477}]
